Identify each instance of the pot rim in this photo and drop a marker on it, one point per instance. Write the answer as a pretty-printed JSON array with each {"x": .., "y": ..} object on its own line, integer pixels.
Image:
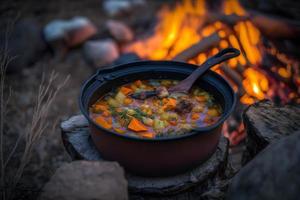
[{"x": 193, "y": 132}]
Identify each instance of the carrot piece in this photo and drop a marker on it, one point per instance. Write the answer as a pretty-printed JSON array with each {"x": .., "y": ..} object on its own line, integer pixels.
[
  {"x": 195, "y": 116},
  {"x": 165, "y": 100},
  {"x": 126, "y": 90},
  {"x": 106, "y": 113},
  {"x": 127, "y": 101},
  {"x": 146, "y": 134},
  {"x": 99, "y": 108},
  {"x": 171, "y": 104},
  {"x": 173, "y": 122},
  {"x": 136, "y": 125},
  {"x": 109, "y": 120},
  {"x": 102, "y": 122},
  {"x": 138, "y": 83}
]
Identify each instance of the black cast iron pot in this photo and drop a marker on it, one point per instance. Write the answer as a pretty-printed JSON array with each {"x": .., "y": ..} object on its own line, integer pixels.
[{"x": 157, "y": 156}]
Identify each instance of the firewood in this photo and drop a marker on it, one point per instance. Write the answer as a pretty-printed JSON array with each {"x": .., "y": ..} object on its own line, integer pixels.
[
  {"x": 202, "y": 46},
  {"x": 274, "y": 26},
  {"x": 235, "y": 77},
  {"x": 230, "y": 20}
]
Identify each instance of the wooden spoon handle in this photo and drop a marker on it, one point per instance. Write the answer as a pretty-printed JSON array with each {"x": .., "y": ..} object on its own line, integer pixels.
[{"x": 223, "y": 55}]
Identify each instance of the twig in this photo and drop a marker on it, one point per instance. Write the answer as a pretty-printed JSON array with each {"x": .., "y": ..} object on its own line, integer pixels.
[{"x": 39, "y": 123}]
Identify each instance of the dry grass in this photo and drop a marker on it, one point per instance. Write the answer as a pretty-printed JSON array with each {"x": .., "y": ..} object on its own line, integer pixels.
[{"x": 45, "y": 97}]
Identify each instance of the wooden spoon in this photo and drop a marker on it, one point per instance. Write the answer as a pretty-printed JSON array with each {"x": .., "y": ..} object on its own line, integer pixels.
[{"x": 185, "y": 85}]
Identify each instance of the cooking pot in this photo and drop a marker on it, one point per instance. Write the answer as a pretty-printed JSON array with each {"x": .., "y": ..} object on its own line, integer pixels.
[{"x": 162, "y": 156}]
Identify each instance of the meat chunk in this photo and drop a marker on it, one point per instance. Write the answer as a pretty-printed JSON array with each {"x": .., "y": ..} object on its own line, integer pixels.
[{"x": 184, "y": 106}]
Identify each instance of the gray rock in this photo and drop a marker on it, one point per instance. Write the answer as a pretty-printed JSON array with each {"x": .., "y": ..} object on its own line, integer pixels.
[
  {"x": 273, "y": 174},
  {"x": 100, "y": 52},
  {"x": 117, "y": 7},
  {"x": 120, "y": 31},
  {"x": 71, "y": 32},
  {"x": 87, "y": 180}
]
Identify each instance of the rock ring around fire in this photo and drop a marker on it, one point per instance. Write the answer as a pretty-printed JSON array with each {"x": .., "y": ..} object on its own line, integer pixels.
[{"x": 78, "y": 143}]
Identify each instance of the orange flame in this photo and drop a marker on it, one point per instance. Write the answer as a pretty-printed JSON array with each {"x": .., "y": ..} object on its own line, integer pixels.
[{"x": 184, "y": 25}]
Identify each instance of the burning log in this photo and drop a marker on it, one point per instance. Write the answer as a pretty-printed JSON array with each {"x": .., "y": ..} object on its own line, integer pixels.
[
  {"x": 202, "y": 46},
  {"x": 235, "y": 77},
  {"x": 230, "y": 20},
  {"x": 266, "y": 123}
]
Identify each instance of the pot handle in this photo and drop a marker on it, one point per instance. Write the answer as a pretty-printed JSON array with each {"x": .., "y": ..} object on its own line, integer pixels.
[{"x": 105, "y": 73}]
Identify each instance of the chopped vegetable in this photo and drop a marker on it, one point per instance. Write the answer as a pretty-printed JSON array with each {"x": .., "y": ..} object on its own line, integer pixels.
[
  {"x": 120, "y": 97},
  {"x": 127, "y": 101},
  {"x": 102, "y": 122},
  {"x": 146, "y": 134},
  {"x": 118, "y": 130},
  {"x": 173, "y": 122},
  {"x": 131, "y": 111},
  {"x": 97, "y": 108},
  {"x": 159, "y": 124},
  {"x": 171, "y": 104},
  {"x": 195, "y": 116},
  {"x": 126, "y": 90},
  {"x": 213, "y": 112},
  {"x": 112, "y": 102},
  {"x": 198, "y": 108},
  {"x": 136, "y": 125},
  {"x": 106, "y": 113},
  {"x": 147, "y": 121}
]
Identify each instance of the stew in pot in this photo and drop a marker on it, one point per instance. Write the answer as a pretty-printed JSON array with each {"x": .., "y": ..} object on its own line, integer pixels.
[{"x": 158, "y": 116}]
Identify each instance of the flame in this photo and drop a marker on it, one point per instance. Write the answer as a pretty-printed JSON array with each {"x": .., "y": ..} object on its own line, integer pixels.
[
  {"x": 256, "y": 84},
  {"x": 184, "y": 25}
]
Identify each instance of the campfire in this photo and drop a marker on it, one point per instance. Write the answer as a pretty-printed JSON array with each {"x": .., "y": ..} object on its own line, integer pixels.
[{"x": 191, "y": 31}]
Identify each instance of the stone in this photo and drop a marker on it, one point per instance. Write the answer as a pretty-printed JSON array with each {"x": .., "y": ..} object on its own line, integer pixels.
[
  {"x": 120, "y": 31},
  {"x": 71, "y": 32},
  {"x": 86, "y": 180},
  {"x": 99, "y": 53},
  {"x": 273, "y": 174},
  {"x": 24, "y": 44},
  {"x": 117, "y": 7},
  {"x": 266, "y": 123}
]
